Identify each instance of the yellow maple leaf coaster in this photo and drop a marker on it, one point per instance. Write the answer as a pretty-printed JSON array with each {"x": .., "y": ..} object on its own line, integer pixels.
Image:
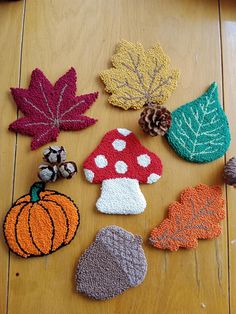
[{"x": 139, "y": 77}]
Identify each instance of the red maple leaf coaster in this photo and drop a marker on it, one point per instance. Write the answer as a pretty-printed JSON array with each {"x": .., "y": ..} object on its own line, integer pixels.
[
  {"x": 196, "y": 216},
  {"x": 48, "y": 109}
]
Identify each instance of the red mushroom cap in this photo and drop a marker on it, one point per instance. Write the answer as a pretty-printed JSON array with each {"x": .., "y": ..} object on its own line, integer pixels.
[{"x": 121, "y": 155}]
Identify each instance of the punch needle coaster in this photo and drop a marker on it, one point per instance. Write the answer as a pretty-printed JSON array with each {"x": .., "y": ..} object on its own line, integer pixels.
[
  {"x": 40, "y": 222},
  {"x": 113, "y": 263},
  {"x": 49, "y": 109},
  {"x": 196, "y": 216},
  {"x": 120, "y": 163},
  {"x": 139, "y": 77},
  {"x": 199, "y": 131}
]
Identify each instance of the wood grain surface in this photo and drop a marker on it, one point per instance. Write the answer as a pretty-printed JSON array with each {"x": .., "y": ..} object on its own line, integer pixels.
[
  {"x": 228, "y": 28},
  {"x": 10, "y": 47},
  {"x": 53, "y": 35}
]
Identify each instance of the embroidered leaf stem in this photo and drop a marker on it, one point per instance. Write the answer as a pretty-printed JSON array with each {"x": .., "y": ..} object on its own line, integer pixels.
[
  {"x": 196, "y": 216},
  {"x": 200, "y": 130},
  {"x": 138, "y": 76}
]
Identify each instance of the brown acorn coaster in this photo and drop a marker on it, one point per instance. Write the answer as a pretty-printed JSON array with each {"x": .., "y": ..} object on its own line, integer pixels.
[{"x": 113, "y": 263}]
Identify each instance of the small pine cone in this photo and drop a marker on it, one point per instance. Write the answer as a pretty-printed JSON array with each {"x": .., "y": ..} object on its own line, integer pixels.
[
  {"x": 67, "y": 169},
  {"x": 230, "y": 172},
  {"x": 155, "y": 120},
  {"x": 48, "y": 173},
  {"x": 54, "y": 154}
]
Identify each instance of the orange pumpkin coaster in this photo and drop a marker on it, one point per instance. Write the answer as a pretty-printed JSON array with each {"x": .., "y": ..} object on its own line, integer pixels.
[
  {"x": 40, "y": 222},
  {"x": 196, "y": 216}
]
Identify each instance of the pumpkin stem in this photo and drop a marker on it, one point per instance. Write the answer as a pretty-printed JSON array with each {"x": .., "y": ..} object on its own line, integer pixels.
[{"x": 35, "y": 190}]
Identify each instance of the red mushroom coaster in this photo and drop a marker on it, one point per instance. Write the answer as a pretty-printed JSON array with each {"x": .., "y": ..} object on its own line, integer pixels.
[{"x": 120, "y": 163}]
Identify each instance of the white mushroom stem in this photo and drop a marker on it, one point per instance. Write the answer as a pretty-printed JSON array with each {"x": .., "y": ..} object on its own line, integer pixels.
[{"x": 121, "y": 196}]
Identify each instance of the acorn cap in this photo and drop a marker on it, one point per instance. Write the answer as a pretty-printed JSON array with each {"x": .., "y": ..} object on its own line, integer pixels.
[
  {"x": 67, "y": 169},
  {"x": 113, "y": 263},
  {"x": 54, "y": 154},
  {"x": 47, "y": 173}
]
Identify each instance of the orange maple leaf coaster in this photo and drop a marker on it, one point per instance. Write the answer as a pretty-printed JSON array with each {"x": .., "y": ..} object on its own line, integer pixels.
[{"x": 196, "y": 216}]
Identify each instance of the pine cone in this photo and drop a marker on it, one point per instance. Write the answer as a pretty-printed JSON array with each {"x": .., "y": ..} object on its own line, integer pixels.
[
  {"x": 230, "y": 172},
  {"x": 155, "y": 120}
]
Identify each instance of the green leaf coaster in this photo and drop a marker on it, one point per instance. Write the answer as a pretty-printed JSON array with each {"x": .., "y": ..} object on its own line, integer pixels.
[{"x": 200, "y": 131}]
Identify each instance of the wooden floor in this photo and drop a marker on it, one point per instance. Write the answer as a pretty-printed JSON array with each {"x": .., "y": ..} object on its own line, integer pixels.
[{"x": 200, "y": 38}]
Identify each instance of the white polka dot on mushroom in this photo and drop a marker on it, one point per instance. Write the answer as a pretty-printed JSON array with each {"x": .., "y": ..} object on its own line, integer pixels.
[
  {"x": 121, "y": 167},
  {"x": 89, "y": 174},
  {"x": 100, "y": 161},
  {"x": 124, "y": 132},
  {"x": 143, "y": 160},
  {"x": 119, "y": 145},
  {"x": 153, "y": 178}
]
